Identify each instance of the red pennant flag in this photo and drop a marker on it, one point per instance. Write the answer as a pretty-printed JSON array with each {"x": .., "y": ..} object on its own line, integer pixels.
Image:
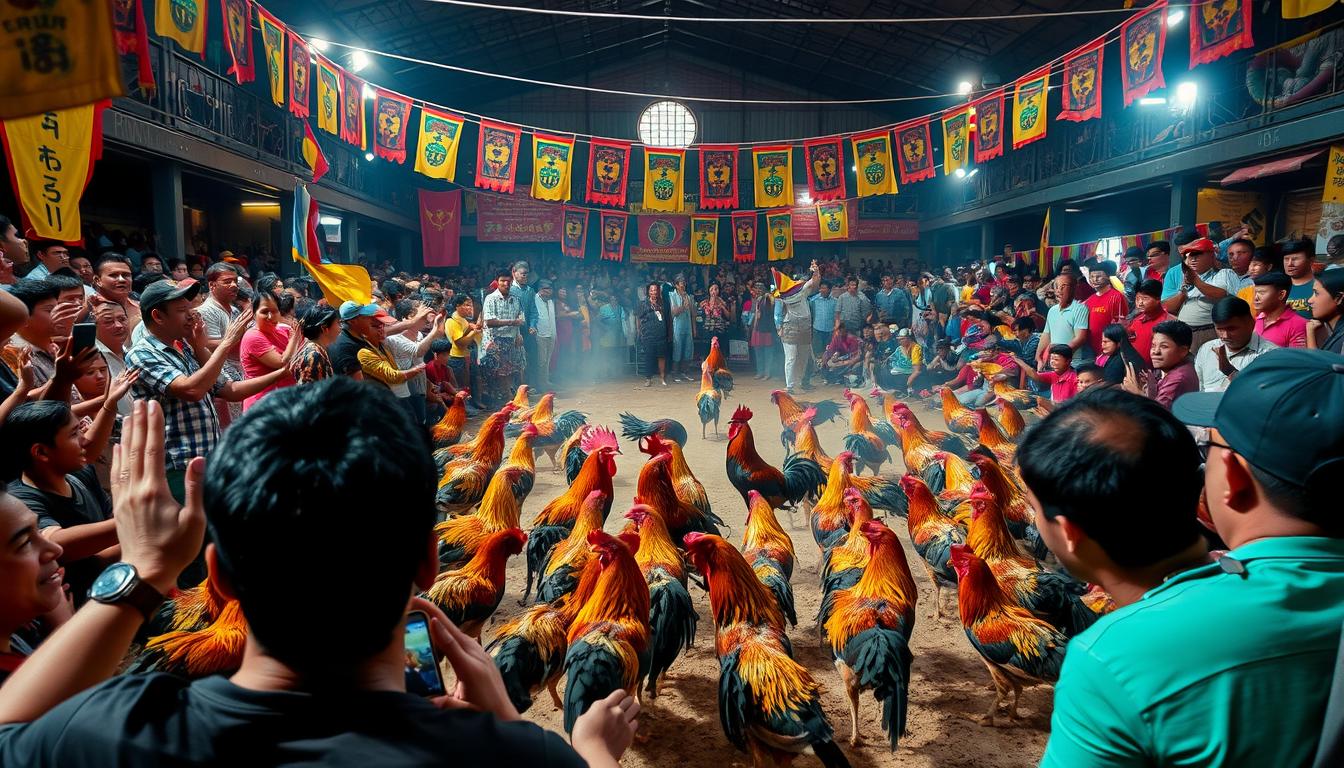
[
  {"x": 391, "y": 115},
  {"x": 497, "y": 156},
  {"x": 1080, "y": 98},
  {"x": 718, "y": 176},
  {"x": 128, "y": 20},
  {"x": 608, "y": 172},
  {"x": 1227, "y": 28},
  {"x": 988, "y": 126},
  {"x": 574, "y": 234},
  {"x": 352, "y": 110},
  {"x": 299, "y": 62},
  {"x": 312, "y": 153},
  {"x": 238, "y": 39},
  {"x": 914, "y": 151},
  {"x": 614, "y": 225},
  {"x": 440, "y": 227},
  {"x": 1143, "y": 37},
  {"x": 744, "y": 236},
  {"x": 825, "y": 160}
]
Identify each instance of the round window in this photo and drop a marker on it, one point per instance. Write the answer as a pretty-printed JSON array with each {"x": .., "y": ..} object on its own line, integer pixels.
[{"x": 667, "y": 124}]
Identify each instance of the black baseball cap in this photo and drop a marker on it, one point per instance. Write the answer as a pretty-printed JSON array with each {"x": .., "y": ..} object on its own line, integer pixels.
[
  {"x": 1293, "y": 395},
  {"x": 163, "y": 291},
  {"x": 1135, "y": 253}
]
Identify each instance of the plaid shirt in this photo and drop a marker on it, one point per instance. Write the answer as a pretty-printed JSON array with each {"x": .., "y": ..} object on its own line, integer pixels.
[{"x": 190, "y": 428}]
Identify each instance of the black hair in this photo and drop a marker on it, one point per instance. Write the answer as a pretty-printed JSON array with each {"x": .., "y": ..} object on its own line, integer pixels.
[
  {"x": 175, "y": 262},
  {"x": 285, "y": 303},
  {"x": 146, "y": 279},
  {"x": 460, "y": 299},
  {"x": 1175, "y": 330},
  {"x": 1062, "y": 349},
  {"x": 1332, "y": 280},
  {"x": 267, "y": 282},
  {"x": 1092, "y": 368},
  {"x": 1268, "y": 254},
  {"x": 503, "y": 273},
  {"x": 825, "y": 284},
  {"x": 393, "y": 288},
  {"x": 221, "y": 268},
  {"x": 29, "y": 424},
  {"x": 65, "y": 279},
  {"x": 1242, "y": 241},
  {"x": 291, "y": 487},
  {"x": 1150, "y": 287},
  {"x": 34, "y": 292},
  {"x": 1185, "y": 238},
  {"x": 1161, "y": 245},
  {"x": 1229, "y": 308},
  {"x": 1299, "y": 246},
  {"x": 315, "y": 319},
  {"x": 5, "y": 223},
  {"x": 439, "y": 346},
  {"x": 1108, "y": 267},
  {"x": 110, "y": 257},
  {"x": 1024, "y": 324},
  {"x": 1093, "y": 461},
  {"x": 151, "y": 255},
  {"x": 1117, "y": 333}
]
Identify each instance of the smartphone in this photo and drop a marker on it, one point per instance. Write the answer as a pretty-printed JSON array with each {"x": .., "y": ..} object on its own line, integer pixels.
[
  {"x": 82, "y": 337},
  {"x": 422, "y": 670}
]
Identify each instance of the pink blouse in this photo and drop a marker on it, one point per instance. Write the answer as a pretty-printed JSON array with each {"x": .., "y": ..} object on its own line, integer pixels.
[{"x": 257, "y": 343}]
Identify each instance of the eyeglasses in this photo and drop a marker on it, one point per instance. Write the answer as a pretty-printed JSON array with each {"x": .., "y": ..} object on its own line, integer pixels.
[{"x": 1205, "y": 441}]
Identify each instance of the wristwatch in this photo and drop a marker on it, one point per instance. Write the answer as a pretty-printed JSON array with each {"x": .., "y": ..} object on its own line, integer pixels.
[{"x": 121, "y": 583}]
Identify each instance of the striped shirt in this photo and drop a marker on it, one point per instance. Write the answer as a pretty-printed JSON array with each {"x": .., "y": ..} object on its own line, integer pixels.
[{"x": 190, "y": 428}]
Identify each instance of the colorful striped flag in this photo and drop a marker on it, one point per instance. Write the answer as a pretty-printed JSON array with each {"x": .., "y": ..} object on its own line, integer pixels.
[
  {"x": 312, "y": 153},
  {"x": 339, "y": 282}
]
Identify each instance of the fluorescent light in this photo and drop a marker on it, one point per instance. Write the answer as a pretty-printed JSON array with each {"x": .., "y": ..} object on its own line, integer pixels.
[
  {"x": 329, "y": 221},
  {"x": 1175, "y": 17},
  {"x": 1073, "y": 210},
  {"x": 359, "y": 60},
  {"x": 1152, "y": 101},
  {"x": 964, "y": 87},
  {"x": 319, "y": 44},
  {"x": 973, "y": 172},
  {"x": 260, "y": 204},
  {"x": 1186, "y": 94}
]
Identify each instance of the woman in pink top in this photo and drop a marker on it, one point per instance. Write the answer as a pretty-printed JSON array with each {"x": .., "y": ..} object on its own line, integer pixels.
[{"x": 268, "y": 345}]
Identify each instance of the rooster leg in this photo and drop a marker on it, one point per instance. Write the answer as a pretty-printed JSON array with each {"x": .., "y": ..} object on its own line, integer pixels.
[
  {"x": 1001, "y": 685},
  {"x": 555, "y": 694},
  {"x": 852, "y": 688},
  {"x": 1017, "y": 694}
]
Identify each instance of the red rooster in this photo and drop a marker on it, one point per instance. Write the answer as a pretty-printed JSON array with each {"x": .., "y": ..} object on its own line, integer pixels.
[
  {"x": 1005, "y": 486},
  {"x": 747, "y": 471},
  {"x": 470, "y": 594},
  {"x": 464, "y": 479},
  {"x": 791, "y": 411},
  {"x": 869, "y": 628},
  {"x": 559, "y": 574},
  {"x": 522, "y": 464},
  {"x": 958, "y": 417},
  {"x": 448, "y": 430},
  {"x": 993, "y": 438},
  {"x": 843, "y": 563},
  {"x": 933, "y": 534},
  {"x": 1018, "y": 649},
  {"x": 806, "y": 442},
  {"x": 869, "y": 447},
  {"x": 552, "y": 430},
  {"x": 556, "y": 519},
  {"x": 684, "y": 482},
  {"x": 672, "y": 616},
  {"x": 655, "y": 488},
  {"x": 460, "y": 537},
  {"x": 491, "y": 429},
  {"x": 769, "y": 550},
  {"x": 718, "y": 367},
  {"x": 609, "y": 638},
  {"x": 584, "y": 441},
  {"x": 522, "y": 403}
]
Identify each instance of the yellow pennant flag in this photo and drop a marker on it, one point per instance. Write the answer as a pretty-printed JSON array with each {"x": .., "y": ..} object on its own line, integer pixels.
[
  {"x": 440, "y": 135},
  {"x": 664, "y": 174},
  {"x": 50, "y": 158},
  {"x": 328, "y": 97},
  {"x": 779, "y": 226},
  {"x": 183, "y": 21},
  {"x": 773, "y": 170},
  {"x": 1334, "y": 176},
  {"x": 705, "y": 240},
  {"x": 833, "y": 220},
  {"x": 956, "y": 139},
  {"x": 56, "y": 54},
  {"x": 552, "y": 158},
  {"x": 1298, "y": 9},
  {"x": 1030, "y": 107},
  {"x": 872, "y": 161},
  {"x": 1043, "y": 265},
  {"x": 273, "y": 40}
]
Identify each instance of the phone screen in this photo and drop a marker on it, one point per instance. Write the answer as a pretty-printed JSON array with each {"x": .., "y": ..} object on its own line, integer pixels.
[
  {"x": 422, "y": 671},
  {"x": 83, "y": 336}
]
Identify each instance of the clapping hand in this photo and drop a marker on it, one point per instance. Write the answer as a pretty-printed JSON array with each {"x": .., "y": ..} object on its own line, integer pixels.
[
  {"x": 118, "y": 387},
  {"x": 237, "y": 327}
]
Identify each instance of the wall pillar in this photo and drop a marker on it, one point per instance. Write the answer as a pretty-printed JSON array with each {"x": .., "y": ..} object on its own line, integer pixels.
[
  {"x": 349, "y": 238},
  {"x": 406, "y": 252},
  {"x": 988, "y": 247},
  {"x": 284, "y": 249},
  {"x": 166, "y": 192},
  {"x": 1184, "y": 200}
]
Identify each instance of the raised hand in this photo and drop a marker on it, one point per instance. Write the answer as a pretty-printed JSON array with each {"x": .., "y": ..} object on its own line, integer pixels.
[
  {"x": 237, "y": 327},
  {"x": 119, "y": 386},
  {"x": 479, "y": 685}
]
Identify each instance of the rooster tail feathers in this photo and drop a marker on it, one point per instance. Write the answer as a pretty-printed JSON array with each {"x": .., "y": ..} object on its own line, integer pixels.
[
  {"x": 672, "y": 623},
  {"x": 520, "y": 664},
  {"x": 540, "y": 541},
  {"x": 889, "y": 496},
  {"x": 802, "y": 477},
  {"x": 884, "y": 430},
  {"x": 881, "y": 658},
  {"x": 592, "y": 672},
  {"x": 826, "y": 410},
  {"x": 734, "y": 699},
  {"x": 708, "y": 407},
  {"x": 828, "y": 752},
  {"x": 772, "y": 576}
]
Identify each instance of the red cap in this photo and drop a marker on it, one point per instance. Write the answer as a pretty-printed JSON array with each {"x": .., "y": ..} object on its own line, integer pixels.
[{"x": 1200, "y": 245}]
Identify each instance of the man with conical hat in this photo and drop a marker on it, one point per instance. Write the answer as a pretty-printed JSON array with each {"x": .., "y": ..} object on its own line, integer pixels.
[{"x": 794, "y": 319}]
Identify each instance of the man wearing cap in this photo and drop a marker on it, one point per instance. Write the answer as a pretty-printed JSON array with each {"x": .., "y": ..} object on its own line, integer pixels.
[
  {"x": 978, "y": 390},
  {"x": 794, "y": 322},
  {"x": 1297, "y": 260},
  {"x": 1203, "y": 282},
  {"x": 1274, "y": 320},
  {"x": 1219, "y": 361},
  {"x": 170, "y": 374}
]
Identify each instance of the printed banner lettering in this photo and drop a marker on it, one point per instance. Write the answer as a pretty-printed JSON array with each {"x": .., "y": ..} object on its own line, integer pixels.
[
  {"x": 1217, "y": 29},
  {"x": 744, "y": 236},
  {"x": 1142, "y": 39},
  {"x": 352, "y": 111},
  {"x": 56, "y": 54},
  {"x": 273, "y": 44},
  {"x": 1334, "y": 176},
  {"x": 915, "y": 155},
  {"x": 1030, "y": 107},
  {"x": 128, "y": 18},
  {"x": 328, "y": 96},
  {"x": 575, "y": 236},
  {"x": 497, "y": 156},
  {"x": 988, "y": 126},
  {"x": 704, "y": 240},
  {"x": 779, "y": 227},
  {"x": 872, "y": 160},
  {"x": 956, "y": 139},
  {"x": 613, "y": 235},
  {"x": 773, "y": 170},
  {"x": 833, "y": 220},
  {"x": 391, "y": 113},
  {"x": 516, "y": 219},
  {"x": 50, "y": 158},
  {"x": 661, "y": 237},
  {"x": 718, "y": 177},
  {"x": 439, "y": 136},
  {"x": 182, "y": 21},
  {"x": 825, "y": 160},
  {"x": 608, "y": 174},
  {"x": 664, "y": 190},
  {"x": 238, "y": 39},
  {"x": 440, "y": 227},
  {"x": 1081, "y": 96},
  {"x": 299, "y": 59},
  {"x": 552, "y": 157}
]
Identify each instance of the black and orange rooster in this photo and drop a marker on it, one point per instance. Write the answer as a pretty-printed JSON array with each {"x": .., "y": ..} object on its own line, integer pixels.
[
  {"x": 799, "y": 478},
  {"x": 1010, "y": 419},
  {"x": 491, "y": 429},
  {"x": 460, "y": 537},
  {"x": 554, "y": 522},
  {"x": 609, "y": 638},
  {"x": 769, "y": 704},
  {"x": 769, "y": 550},
  {"x": 448, "y": 430},
  {"x": 718, "y": 367},
  {"x": 559, "y": 575},
  {"x": 672, "y": 616},
  {"x": 654, "y": 487},
  {"x": 805, "y": 442},
  {"x": 552, "y": 430},
  {"x": 708, "y": 400},
  {"x": 1006, "y": 487},
  {"x": 1018, "y": 649},
  {"x": 933, "y": 534},
  {"x": 992, "y": 437},
  {"x": 869, "y": 628},
  {"x": 867, "y": 440},
  {"x": 684, "y": 482},
  {"x": 958, "y": 417},
  {"x": 792, "y": 410},
  {"x": 199, "y": 649},
  {"x": 584, "y": 441},
  {"x": 522, "y": 403},
  {"x": 522, "y": 464},
  {"x": 634, "y": 428},
  {"x": 470, "y": 594},
  {"x": 944, "y": 441}
]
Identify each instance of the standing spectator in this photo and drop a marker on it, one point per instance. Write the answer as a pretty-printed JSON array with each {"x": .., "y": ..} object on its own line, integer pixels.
[
  {"x": 822, "y": 304},
  {"x": 1173, "y": 372},
  {"x": 682, "y": 307},
  {"x": 1298, "y": 256},
  {"x": 112, "y": 281},
  {"x": 12, "y": 245},
  {"x": 1274, "y": 320},
  {"x": 761, "y": 329},
  {"x": 654, "y": 328},
  {"x": 1066, "y": 323},
  {"x": 1149, "y": 312},
  {"x": 464, "y": 335},
  {"x": 611, "y": 319},
  {"x": 853, "y": 309},
  {"x": 1104, "y": 307},
  {"x": 795, "y": 324},
  {"x": 408, "y": 349},
  {"x": 1135, "y": 259},
  {"x": 567, "y": 332},
  {"x": 1203, "y": 282},
  {"x": 504, "y": 361},
  {"x": 46, "y": 321},
  {"x": 268, "y": 346},
  {"x": 218, "y": 310},
  {"x": 1325, "y": 331},
  {"x": 1238, "y": 343},
  {"x": 82, "y": 265},
  {"x": 110, "y": 335},
  {"x": 521, "y": 287},
  {"x": 52, "y": 255},
  {"x": 717, "y": 316},
  {"x": 1239, "y": 253},
  {"x": 893, "y": 303},
  {"x": 542, "y": 332},
  {"x": 320, "y": 326},
  {"x": 1159, "y": 262}
]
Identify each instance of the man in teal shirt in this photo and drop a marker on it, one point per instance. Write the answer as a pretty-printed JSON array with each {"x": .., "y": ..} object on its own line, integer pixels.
[{"x": 1204, "y": 663}]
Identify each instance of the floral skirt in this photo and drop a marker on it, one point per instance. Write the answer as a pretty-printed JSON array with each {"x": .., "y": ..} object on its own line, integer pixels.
[{"x": 504, "y": 357}]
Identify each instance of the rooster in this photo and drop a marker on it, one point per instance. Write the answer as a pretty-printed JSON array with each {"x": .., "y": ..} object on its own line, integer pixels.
[
  {"x": 584, "y": 440},
  {"x": 718, "y": 367},
  {"x": 470, "y": 594},
  {"x": 552, "y": 431},
  {"x": 464, "y": 479},
  {"x": 791, "y": 411},
  {"x": 544, "y": 410},
  {"x": 554, "y": 522},
  {"x": 842, "y": 565},
  {"x": 769, "y": 550},
  {"x": 958, "y": 417},
  {"x": 684, "y": 482},
  {"x": 869, "y": 447},
  {"x": 633, "y": 428},
  {"x": 1010, "y": 419},
  {"x": 946, "y": 441},
  {"x": 806, "y": 442},
  {"x": 654, "y": 487},
  {"x": 1020, "y": 398},
  {"x": 1018, "y": 649},
  {"x": 492, "y": 429},
  {"x": 448, "y": 430},
  {"x": 933, "y": 535},
  {"x": 747, "y": 471},
  {"x": 522, "y": 403},
  {"x": 869, "y": 628},
  {"x": 522, "y": 463},
  {"x": 609, "y": 638},
  {"x": 188, "y": 609},
  {"x": 202, "y": 650},
  {"x": 769, "y": 704},
  {"x": 958, "y": 481},
  {"x": 672, "y": 616},
  {"x": 827, "y": 519},
  {"x": 460, "y": 537},
  {"x": 993, "y": 438},
  {"x": 1003, "y": 484},
  {"x": 708, "y": 400},
  {"x": 559, "y": 574}
]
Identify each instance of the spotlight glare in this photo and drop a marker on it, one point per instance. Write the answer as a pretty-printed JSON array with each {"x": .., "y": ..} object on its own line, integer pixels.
[
  {"x": 960, "y": 173},
  {"x": 369, "y": 92},
  {"x": 359, "y": 60},
  {"x": 368, "y": 156},
  {"x": 1175, "y": 17},
  {"x": 1152, "y": 101},
  {"x": 964, "y": 87},
  {"x": 319, "y": 44},
  {"x": 1186, "y": 94}
]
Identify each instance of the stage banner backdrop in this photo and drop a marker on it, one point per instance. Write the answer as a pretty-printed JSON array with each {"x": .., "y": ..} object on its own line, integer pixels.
[
  {"x": 1228, "y": 210},
  {"x": 704, "y": 240},
  {"x": 1333, "y": 192},
  {"x": 391, "y": 115},
  {"x": 441, "y": 227},
  {"x": 56, "y": 54},
  {"x": 574, "y": 238},
  {"x": 874, "y": 174},
  {"x": 1030, "y": 107},
  {"x": 614, "y": 225},
  {"x": 440, "y": 135},
  {"x": 128, "y": 18},
  {"x": 1081, "y": 96},
  {"x": 825, "y": 160},
  {"x": 497, "y": 156},
  {"x": 352, "y": 111},
  {"x": 552, "y": 157},
  {"x": 661, "y": 237},
  {"x": 238, "y": 39},
  {"x": 51, "y": 158},
  {"x": 516, "y": 219},
  {"x": 328, "y": 96},
  {"x": 608, "y": 174},
  {"x": 833, "y": 220},
  {"x": 956, "y": 139},
  {"x": 744, "y": 236},
  {"x": 718, "y": 177},
  {"x": 772, "y": 169},
  {"x": 1142, "y": 40},
  {"x": 779, "y": 228},
  {"x": 988, "y": 126},
  {"x": 664, "y": 180},
  {"x": 914, "y": 151},
  {"x": 299, "y": 59},
  {"x": 182, "y": 21},
  {"x": 1219, "y": 28},
  {"x": 273, "y": 45}
]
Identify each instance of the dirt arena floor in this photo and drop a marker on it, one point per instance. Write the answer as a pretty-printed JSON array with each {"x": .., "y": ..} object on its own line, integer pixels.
[{"x": 950, "y": 688}]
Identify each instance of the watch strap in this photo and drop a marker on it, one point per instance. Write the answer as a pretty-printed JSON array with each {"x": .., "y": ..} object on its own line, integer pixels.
[{"x": 143, "y": 598}]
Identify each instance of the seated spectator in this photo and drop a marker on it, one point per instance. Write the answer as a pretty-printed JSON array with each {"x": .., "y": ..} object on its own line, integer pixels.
[
  {"x": 1091, "y": 376},
  {"x": 842, "y": 358},
  {"x": 305, "y": 465},
  {"x": 942, "y": 366},
  {"x": 1173, "y": 372},
  {"x": 1274, "y": 321},
  {"x": 1061, "y": 377},
  {"x": 1218, "y": 361},
  {"x": 974, "y": 390},
  {"x": 1025, "y": 339},
  {"x": 1324, "y": 330},
  {"x": 31, "y": 579},
  {"x": 905, "y": 367},
  {"x": 877, "y": 361}
]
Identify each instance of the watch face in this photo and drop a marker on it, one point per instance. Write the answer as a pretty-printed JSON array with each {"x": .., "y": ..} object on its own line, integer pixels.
[{"x": 112, "y": 581}]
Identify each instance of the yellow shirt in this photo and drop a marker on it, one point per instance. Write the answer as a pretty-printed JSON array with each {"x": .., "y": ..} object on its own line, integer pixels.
[
  {"x": 1247, "y": 295},
  {"x": 458, "y": 331},
  {"x": 379, "y": 366}
]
